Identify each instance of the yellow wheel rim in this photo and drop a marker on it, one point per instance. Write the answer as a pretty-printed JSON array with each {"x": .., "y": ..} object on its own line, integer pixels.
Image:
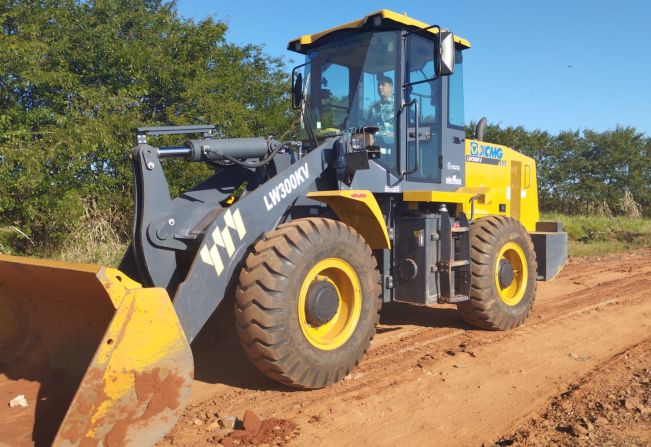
[
  {"x": 341, "y": 326},
  {"x": 514, "y": 292}
]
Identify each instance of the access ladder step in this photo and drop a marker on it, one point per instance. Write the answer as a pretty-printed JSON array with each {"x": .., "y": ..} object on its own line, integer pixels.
[
  {"x": 459, "y": 263},
  {"x": 453, "y": 264},
  {"x": 458, "y": 299},
  {"x": 454, "y": 261}
]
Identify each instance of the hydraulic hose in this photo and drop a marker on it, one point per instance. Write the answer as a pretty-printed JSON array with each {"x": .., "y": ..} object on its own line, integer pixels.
[
  {"x": 235, "y": 149},
  {"x": 259, "y": 163}
]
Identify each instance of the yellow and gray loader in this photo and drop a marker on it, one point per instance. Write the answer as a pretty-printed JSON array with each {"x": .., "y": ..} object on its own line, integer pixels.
[{"x": 382, "y": 198}]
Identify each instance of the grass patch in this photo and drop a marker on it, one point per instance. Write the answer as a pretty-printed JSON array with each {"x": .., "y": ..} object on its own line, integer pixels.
[
  {"x": 599, "y": 235},
  {"x": 94, "y": 241}
]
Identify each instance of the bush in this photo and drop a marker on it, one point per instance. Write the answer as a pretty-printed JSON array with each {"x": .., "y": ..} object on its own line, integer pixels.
[
  {"x": 78, "y": 77},
  {"x": 598, "y": 235}
]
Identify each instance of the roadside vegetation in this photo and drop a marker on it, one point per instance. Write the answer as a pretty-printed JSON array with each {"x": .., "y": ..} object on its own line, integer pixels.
[
  {"x": 593, "y": 235},
  {"x": 602, "y": 231}
]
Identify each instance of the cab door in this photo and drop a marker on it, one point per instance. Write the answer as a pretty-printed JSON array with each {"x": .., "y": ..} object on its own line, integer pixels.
[
  {"x": 423, "y": 103},
  {"x": 437, "y": 102},
  {"x": 453, "y": 132}
]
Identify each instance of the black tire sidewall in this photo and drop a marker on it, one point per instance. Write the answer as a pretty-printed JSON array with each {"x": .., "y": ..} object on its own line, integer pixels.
[
  {"x": 485, "y": 309},
  {"x": 352, "y": 252},
  {"x": 520, "y": 238}
]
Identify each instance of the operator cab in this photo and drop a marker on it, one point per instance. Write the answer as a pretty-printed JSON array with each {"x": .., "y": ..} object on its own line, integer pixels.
[{"x": 380, "y": 73}]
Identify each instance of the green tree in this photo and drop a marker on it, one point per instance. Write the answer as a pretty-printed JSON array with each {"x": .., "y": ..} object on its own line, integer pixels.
[{"x": 76, "y": 78}]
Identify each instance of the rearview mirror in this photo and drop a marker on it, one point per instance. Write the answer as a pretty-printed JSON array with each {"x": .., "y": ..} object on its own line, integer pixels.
[
  {"x": 445, "y": 59},
  {"x": 297, "y": 90}
]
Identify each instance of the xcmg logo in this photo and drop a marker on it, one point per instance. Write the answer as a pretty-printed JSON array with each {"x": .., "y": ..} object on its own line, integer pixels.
[{"x": 485, "y": 150}]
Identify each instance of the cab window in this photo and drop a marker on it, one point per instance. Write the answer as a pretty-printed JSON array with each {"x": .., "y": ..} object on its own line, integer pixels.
[
  {"x": 335, "y": 93},
  {"x": 427, "y": 97},
  {"x": 455, "y": 94}
]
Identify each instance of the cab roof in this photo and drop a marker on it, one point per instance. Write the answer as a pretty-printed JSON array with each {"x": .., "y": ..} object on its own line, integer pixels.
[{"x": 304, "y": 43}]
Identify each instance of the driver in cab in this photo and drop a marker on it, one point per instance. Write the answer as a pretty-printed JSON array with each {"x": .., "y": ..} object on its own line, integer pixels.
[{"x": 382, "y": 112}]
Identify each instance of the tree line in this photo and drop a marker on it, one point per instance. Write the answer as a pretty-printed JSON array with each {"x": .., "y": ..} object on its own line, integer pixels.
[
  {"x": 77, "y": 77},
  {"x": 585, "y": 172}
]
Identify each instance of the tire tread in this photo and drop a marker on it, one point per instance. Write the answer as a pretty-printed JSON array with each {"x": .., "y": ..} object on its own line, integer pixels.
[
  {"x": 260, "y": 299},
  {"x": 484, "y": 309}
]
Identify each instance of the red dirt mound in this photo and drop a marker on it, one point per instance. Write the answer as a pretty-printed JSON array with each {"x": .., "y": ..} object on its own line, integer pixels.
[{"x": 272, "y": 431}]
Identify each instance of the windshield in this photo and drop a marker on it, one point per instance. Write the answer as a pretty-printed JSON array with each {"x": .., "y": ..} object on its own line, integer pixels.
[{"x": 349, "y": 84}]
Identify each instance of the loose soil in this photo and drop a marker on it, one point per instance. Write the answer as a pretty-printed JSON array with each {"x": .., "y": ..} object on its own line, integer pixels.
[
  {"x": 271, "y": 431},
  {"x": 429, "y": 379},
  {"x": 610, "y": 406},
  {"x": 577, "y": 373}
]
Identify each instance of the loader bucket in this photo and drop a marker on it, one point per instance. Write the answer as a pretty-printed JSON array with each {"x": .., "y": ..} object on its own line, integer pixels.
[{"x": 99, "y": 359}]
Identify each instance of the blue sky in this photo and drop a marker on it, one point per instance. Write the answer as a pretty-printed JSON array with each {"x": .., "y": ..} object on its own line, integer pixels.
[{"x": 551, "y": 65}]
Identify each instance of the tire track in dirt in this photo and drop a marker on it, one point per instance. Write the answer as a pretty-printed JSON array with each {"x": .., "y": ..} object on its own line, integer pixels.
[
  {"x": 410, "y": 340},
  {"x": 609, "y": 406},
  {"x": 615, "y": 289},
  {"x": 546, "y": 303}
]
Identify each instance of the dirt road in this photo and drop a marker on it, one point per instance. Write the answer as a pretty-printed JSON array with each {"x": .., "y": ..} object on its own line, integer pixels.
[{"x": 430, "y": 379}]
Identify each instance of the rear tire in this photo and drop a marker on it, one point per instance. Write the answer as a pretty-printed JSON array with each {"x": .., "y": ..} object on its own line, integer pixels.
[
  {"x": 501, "y": 249},
  {"x": 289, "y": 340}
]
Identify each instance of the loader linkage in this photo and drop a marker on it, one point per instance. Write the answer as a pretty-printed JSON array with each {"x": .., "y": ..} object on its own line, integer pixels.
[{"x": 309, "y": 237}]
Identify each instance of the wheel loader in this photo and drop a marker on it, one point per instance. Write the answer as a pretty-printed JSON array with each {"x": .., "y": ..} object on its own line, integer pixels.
[{"x": 311, "y": 236}]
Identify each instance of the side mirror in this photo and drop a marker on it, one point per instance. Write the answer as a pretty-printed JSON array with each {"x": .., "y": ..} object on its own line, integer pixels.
[
  {"x": 445, "y": 59},
  {"x": 297, "y": 90}
]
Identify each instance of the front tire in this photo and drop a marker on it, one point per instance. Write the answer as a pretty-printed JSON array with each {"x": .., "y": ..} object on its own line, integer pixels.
[
  {"x": 307, "y": 302},
  {"x": 503, "y": 281}
]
